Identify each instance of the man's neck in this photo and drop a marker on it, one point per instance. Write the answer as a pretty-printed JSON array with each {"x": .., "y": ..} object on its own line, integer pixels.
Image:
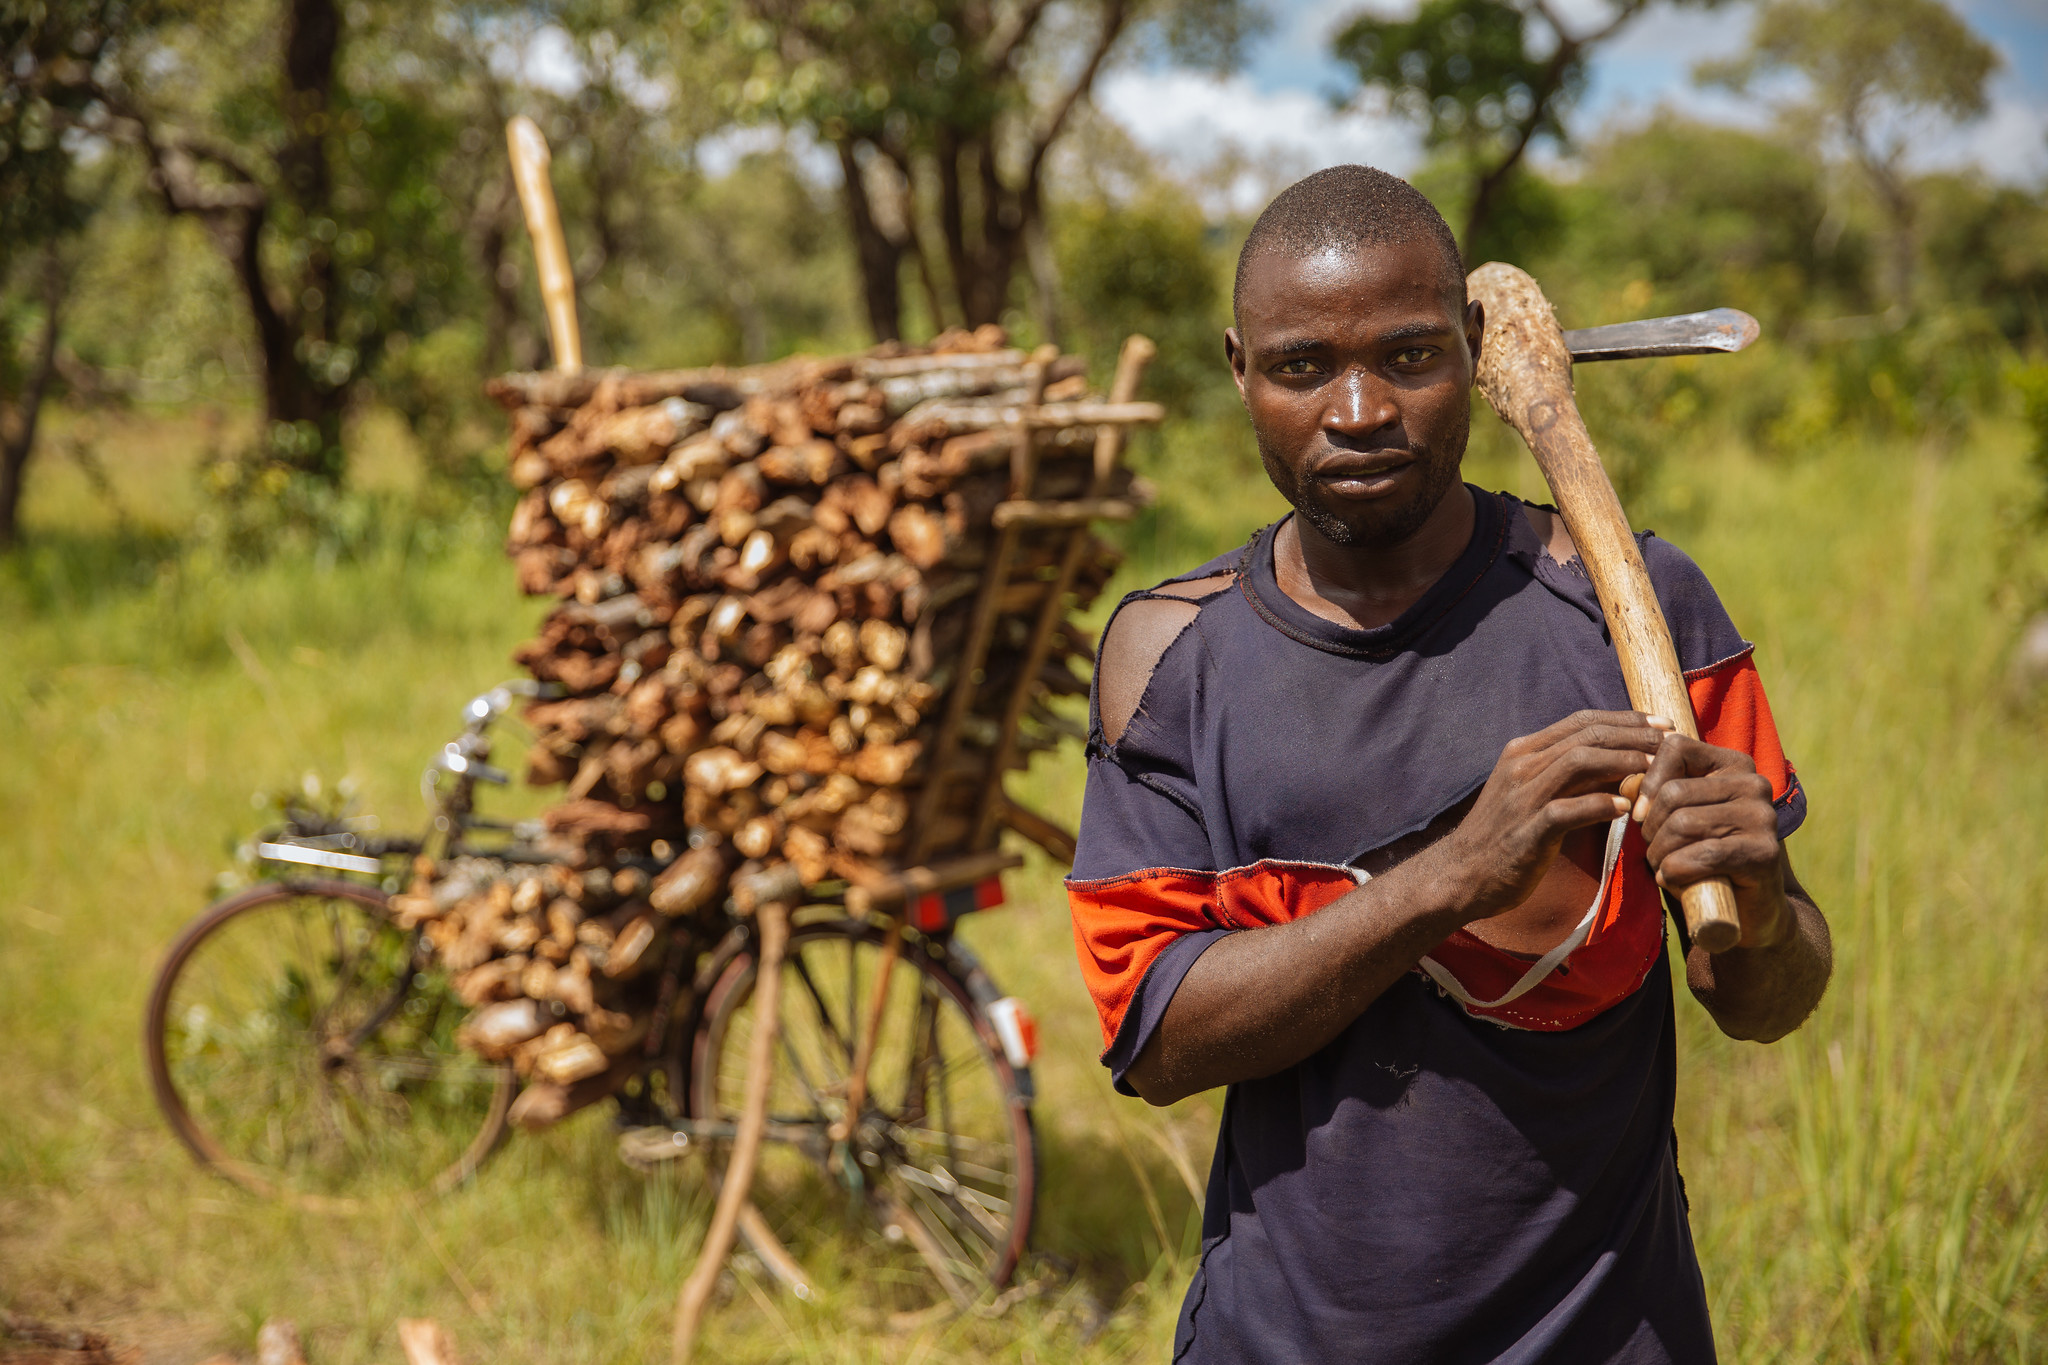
[{"x": 1364, "y": 587}]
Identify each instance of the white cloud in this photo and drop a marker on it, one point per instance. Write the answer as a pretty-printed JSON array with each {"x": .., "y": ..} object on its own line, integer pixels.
[{"x": 1242, "y": 143}]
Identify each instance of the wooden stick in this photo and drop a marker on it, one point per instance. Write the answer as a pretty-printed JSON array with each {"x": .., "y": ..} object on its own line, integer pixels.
[
  {"x": 1525, "y": 371},
  {"x": 771, "y": 921},
  {"x": 1056, "y": 840},
  {"x": 530, "y": 160},
  {"x": 1078, "y": 512},
  {"x": 871, "y": 1029},
  {"x": 1136, "y": 354},
  {"x": 913, "y": 882},
  {"x": 965, "y": 415}
]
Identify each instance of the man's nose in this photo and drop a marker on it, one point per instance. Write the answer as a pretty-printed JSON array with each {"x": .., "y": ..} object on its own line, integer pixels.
[{"x": 1359, "y": 405}]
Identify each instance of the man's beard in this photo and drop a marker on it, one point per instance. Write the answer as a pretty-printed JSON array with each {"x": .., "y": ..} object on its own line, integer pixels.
[{"x": 1391, "y": 526}]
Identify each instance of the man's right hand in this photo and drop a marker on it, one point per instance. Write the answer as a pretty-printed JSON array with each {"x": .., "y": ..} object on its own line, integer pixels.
[{"x": 1546, "y": 785}]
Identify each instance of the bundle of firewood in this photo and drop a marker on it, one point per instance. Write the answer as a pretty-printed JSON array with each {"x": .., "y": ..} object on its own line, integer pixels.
[
  {"x": 544, "y": 956},
  {"x": 810, "y": 614},
  {"x": 775, "y": 582}
]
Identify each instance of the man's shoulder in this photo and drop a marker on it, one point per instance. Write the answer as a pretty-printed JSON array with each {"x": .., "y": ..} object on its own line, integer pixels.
[
  {"x": 1145, "y": 627},
  {"x": 1701, "y": 630}
]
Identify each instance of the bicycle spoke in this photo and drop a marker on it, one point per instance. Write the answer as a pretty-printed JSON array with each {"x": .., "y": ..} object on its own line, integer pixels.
[{"x": 824, "y": 1010}]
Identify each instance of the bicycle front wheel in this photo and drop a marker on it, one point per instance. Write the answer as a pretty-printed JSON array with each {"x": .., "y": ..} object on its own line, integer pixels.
[
  {"x": 939, "y": 1169},
  {"x": 300, "y": 1046}
]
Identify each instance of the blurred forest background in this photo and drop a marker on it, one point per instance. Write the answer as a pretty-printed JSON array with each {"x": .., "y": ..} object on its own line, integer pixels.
[{"x": 257, "y": 256}]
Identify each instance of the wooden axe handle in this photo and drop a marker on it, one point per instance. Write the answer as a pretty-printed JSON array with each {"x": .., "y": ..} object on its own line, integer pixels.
[
  {"x": 1525, "y": 371},
  {"x": 530, "y": 160}
]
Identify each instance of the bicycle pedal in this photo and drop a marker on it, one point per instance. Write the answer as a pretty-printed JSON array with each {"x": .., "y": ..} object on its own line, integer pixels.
[{"x": 644, "y": 1148}]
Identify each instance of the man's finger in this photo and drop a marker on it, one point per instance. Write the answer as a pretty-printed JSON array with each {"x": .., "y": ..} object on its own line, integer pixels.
[
  {"x": 1559, "y": 731},
  {"x": 1587, "y": 767},
  {"x": 1568, "y": 813},
  {"x": 1742, "y": 858},
  {"x": 1690, "y": 825},
  {"x": 1678, "y": 757},
  {"x": 1653, "y": 807}
]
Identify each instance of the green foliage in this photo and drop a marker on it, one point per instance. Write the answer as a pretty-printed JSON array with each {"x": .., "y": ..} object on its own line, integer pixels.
[
  {"x": 1463, "y": 70},
  {"x": 1147, "y": 267},
  {"x": 1527, "y": 215},
  {"x": 2031, "y": 381},
  {"x": 1710, "y": 215},
  {"x": 1986, "y": 247}
]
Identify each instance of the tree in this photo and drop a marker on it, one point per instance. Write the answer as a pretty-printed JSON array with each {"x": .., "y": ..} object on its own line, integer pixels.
[
  {"x": 942, "y": 114},
  {"x": 1878, "y": 73},
  {"x": 1485, "y": 79},
  {"x": 49, "y": 53},
  {"x": 322, "y": 175}
]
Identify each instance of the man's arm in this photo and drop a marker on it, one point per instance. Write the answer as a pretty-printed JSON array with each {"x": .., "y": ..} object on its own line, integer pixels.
[
  {"x": 1706, "y": 812},
  {"x": 1260, "y": 1000}
]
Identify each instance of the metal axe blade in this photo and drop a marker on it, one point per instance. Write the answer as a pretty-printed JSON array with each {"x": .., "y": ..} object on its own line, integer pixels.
[{"x": 1714, "y": 331}]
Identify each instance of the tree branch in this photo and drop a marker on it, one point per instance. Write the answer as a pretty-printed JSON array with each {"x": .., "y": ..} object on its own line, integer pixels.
[
  {"x": 1009, "y": 37},
  {"x": 1113, "y": 21}
]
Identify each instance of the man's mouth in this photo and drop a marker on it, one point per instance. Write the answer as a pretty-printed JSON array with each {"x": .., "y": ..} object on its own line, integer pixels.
[{"x": 1363, "y": 479}]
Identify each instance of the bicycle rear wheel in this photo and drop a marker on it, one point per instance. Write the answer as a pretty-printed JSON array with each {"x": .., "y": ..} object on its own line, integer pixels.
[
  {"x": 930, "y": 1197},
  {"x": 298, "y": 1045}
]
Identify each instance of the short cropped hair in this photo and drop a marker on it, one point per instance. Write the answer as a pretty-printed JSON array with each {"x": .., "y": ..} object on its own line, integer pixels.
[{"x": 1347, "y": 207}]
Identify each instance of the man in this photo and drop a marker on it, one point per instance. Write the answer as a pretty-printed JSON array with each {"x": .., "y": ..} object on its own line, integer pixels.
[{"x": 1354, "y": 846}]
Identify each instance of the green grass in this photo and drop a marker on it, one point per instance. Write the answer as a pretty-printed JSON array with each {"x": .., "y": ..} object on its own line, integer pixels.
[{"x": 1872, "y": 1189}]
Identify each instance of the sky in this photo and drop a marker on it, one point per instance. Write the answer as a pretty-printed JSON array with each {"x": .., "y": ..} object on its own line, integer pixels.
[{"x": 1277, "y": 114}]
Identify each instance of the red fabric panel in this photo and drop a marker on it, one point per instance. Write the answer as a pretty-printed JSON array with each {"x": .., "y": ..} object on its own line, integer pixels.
[
  {"x": 1121, "y": 924},
  {"x": 1626, "y": 941}
]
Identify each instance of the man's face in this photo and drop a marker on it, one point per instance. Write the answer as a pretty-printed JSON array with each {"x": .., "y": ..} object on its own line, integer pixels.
[{"x": 1356, "y": 368}]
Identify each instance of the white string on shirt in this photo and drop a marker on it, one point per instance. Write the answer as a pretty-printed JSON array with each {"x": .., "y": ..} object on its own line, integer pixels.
[{"x": 1545, "y": 965}]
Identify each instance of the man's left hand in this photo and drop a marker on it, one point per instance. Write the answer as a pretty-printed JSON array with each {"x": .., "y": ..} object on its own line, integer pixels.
[{"x": 1706, "y": 812}]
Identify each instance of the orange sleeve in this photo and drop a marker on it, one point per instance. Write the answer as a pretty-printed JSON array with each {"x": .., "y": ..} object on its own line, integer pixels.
[
  {"x": 1122, "y": 924},
  {"x": 1734, "y": 713}
]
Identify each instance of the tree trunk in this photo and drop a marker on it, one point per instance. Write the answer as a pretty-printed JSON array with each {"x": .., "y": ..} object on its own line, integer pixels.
[
  {"x": 20, "y": 443},
  {"x": 303, "y": 408},
  {"x": 879, "y": 259},
  {"x": 983, "y": 268},
  {"x": 1045, "y": 275}
]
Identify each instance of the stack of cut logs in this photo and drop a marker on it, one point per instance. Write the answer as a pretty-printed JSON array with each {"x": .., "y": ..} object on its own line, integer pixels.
[{"x": 810, "y": 614}]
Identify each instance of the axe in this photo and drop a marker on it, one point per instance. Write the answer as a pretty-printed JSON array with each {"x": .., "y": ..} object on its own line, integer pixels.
[{"x": 1525, "y": 371}]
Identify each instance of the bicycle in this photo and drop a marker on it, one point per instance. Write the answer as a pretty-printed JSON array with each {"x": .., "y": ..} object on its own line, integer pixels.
[{"x": 302, "y": 1042}]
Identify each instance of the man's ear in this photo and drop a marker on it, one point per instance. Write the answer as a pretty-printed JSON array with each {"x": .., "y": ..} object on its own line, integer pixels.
[
  {"x": 1233, "y": 351},
  {"x": 1475, "y": 330}
]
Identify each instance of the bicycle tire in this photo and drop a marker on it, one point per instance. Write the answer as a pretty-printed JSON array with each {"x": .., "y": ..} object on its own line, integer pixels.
[
  {"x": 981, "y": 1255},
  {"x": 179, "y": 1044}
]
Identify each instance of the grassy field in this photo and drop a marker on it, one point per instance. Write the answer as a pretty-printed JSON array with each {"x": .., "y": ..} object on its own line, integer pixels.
[{"x": 1872, "y": 1189}]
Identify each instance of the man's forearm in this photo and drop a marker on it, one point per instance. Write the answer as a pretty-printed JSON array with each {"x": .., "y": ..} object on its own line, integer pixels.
[
  {"x": 1260, "y": 1000},
  {"x": 1761, "y": 994}
]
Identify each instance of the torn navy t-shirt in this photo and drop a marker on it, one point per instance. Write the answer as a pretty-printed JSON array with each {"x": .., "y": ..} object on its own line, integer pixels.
[{"x": 1481, "y": 1167}]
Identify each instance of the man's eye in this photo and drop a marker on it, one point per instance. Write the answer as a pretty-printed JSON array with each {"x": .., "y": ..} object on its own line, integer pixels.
[
  {"x": 1413, "y": 355},
  {"x": 1296, "y": 367}
]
